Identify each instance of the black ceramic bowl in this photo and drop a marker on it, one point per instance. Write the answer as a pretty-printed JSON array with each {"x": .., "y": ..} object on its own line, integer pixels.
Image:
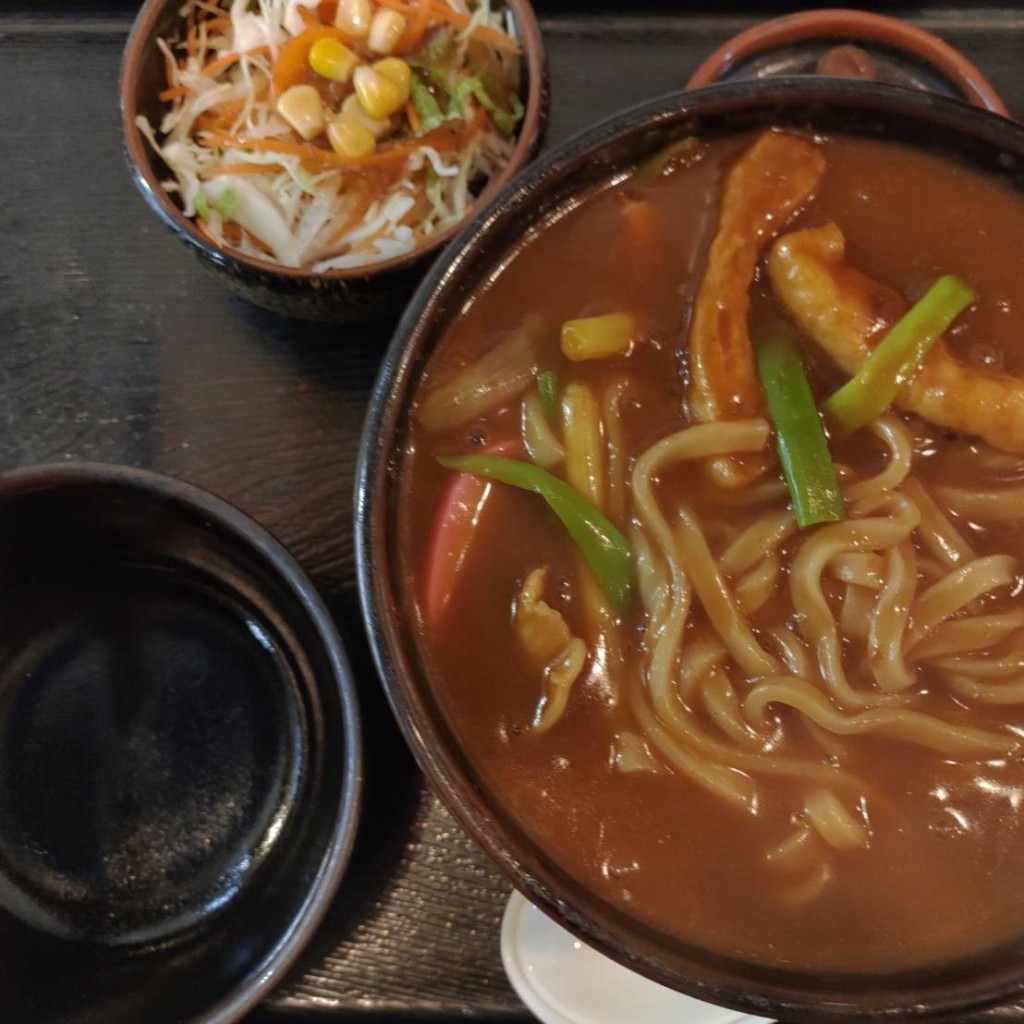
[
  {"x": 179, "y": 752},
  {"x": 375, "y": 292},
  {"x": 986, "y": 141}
]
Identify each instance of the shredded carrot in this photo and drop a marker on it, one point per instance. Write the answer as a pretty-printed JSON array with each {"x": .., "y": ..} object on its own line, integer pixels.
[
  {"x": 413, "y": 118},
  {"x": 444, "y": 138},
  {"x": 327, "y": 11},
  {"x": 215, "y": 67},
  {"x": 173, "y": 92},
  {"x": 353, "y": 220},
  {"x": 242, "y": 169},
  {"x": 442, "y": 12},
  {"x": 190, "y": 40},
  {"x": 415, "y": 29},
  {"x": 222, "y": 22},
  {"x": 293, "y": 59},
  {"x": 309, "y": 18}
]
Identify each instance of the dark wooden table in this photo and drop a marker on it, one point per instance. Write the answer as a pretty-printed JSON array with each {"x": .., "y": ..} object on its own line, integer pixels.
[{"x": 115, "y": 346}]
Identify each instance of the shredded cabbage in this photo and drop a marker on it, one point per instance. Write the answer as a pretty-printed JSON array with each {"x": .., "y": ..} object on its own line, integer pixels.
[{"x": 256, "y": 187}]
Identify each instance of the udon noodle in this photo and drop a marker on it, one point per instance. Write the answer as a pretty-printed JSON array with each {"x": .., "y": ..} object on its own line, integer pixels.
[{"x": 709, "y": 691}]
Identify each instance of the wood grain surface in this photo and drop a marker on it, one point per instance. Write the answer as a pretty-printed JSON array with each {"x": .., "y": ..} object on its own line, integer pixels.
[{"x": 116, "y": 346}]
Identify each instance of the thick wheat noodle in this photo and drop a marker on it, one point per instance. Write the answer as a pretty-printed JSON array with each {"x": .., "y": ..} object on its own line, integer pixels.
[
  {"x": 731, "y": 785},
  {"x": 616, "y": 449},
  {"x": 755, "y": 589},
  {"x": 700, "y": 655},
  {"x": 987, "y": 693},
  {"x": 691, "y": 443},
  {"x": 756, "y": 494},
  {"x": 687, "y": 731},
  {"x": 792, "y": 651},
  {"x": 818, "y": 624},
  {"x": 937, "y": 532},
  {"x": 833, "y": 822},
  {"x": 971, "y": 634},
  {"x": 983, "y": 668},
  {"x": 718, "y": 600},
  {"x": 764, "y": 535},
  {"x": 723, "y": 707},
  {"x": 799, "y": 851},
  {"x": 896, "y": 723},
  {"x": 802, "y": 893},
  {"x": 855, "y": 614},
  {"x": 944, "y": 599},
  {"x": 863, "y": 568},
  {"x": 888, "y": 623},
  {"x": 1001, "y": 505},
  {"x": 898, "y": 440}
]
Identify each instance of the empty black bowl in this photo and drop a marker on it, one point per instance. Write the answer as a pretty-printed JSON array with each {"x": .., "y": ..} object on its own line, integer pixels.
[{"x": 179, "y": 752}]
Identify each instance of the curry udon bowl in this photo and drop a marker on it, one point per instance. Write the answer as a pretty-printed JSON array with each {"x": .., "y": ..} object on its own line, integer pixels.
[{"x": 860, "y": 886}]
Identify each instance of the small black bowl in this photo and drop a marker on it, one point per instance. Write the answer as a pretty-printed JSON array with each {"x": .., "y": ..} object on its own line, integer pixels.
[
  {"x": 377, "y": 292},
  {"x": 179, "y": 752}
]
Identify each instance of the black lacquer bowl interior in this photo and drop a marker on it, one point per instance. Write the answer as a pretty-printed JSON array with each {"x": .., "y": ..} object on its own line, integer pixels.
[
  {"x": 179, "y": 752},
  {"x": 984, "y": 141}
]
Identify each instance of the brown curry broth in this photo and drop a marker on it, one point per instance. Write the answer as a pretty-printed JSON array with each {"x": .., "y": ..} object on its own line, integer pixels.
[{"x": 927, "y": 889}]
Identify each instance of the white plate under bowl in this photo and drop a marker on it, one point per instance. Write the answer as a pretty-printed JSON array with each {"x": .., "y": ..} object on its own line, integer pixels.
[{"x": 564, "y": 981}]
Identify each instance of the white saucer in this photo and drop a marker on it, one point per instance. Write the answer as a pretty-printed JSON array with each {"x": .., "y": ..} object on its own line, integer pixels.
[{"x": 563, "y": 981}]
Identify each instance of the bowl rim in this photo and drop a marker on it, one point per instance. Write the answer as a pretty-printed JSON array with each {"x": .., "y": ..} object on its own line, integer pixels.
[
  {"x": 139, "y": 156},
  {"x": 318, "y": 891},
  {"x": 432, "y": 743},
  {"x": 840, "y": 23}
]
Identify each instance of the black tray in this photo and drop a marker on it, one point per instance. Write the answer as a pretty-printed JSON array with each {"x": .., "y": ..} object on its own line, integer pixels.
[{"x": 116, "y": 346}]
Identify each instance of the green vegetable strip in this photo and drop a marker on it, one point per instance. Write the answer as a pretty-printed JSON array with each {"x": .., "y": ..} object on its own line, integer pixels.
[
  {"x": 547, "y": 386},
  {"x": 799, "y": 437},
  {"x": 866, "y": 395},
  {"x": 603, "y": 545},
  {"x": 428, "y": 110},
  {"x": 504, "y": 120}
]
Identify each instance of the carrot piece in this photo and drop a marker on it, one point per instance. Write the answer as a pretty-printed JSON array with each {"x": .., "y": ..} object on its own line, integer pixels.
[
  {"x": 293, "y": 59},
  {"x": 173, "y": 92},
  {"x": 416, "y": 27},
  {"x": 413, "y": 118},
  {"x": 190, "y": 40},
  {"x": 352, "y": 221},
  {"x": 442, "y": 138},
  {"x": 451, "y": 536},
  {"x": 215, "y": 67},
  {"x": 442, "y": 12}
]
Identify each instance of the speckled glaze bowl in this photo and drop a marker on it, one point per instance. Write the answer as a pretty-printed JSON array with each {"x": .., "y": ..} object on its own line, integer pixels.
[
  {"x": 376, "y": 292},
  {"x": 983, "y": 140}
]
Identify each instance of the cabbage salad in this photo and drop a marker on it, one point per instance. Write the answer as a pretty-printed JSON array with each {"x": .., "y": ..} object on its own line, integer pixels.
[{"x": 335, "y": 134}]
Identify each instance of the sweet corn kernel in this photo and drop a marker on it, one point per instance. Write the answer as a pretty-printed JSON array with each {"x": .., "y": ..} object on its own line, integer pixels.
[
  {"x": 354, "y": 18},
  {"x": 597, "y": 337},
  {"x": 397, "y": 70},
  {"x": 349, "y": 137},
  {"x": 379, "y": 95},
  {"x": 300, "y": 106},
  {"x": 332, "y": 59},
  {"x": 376, "y": 126},
  {"x": 385, "y": 31}
]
